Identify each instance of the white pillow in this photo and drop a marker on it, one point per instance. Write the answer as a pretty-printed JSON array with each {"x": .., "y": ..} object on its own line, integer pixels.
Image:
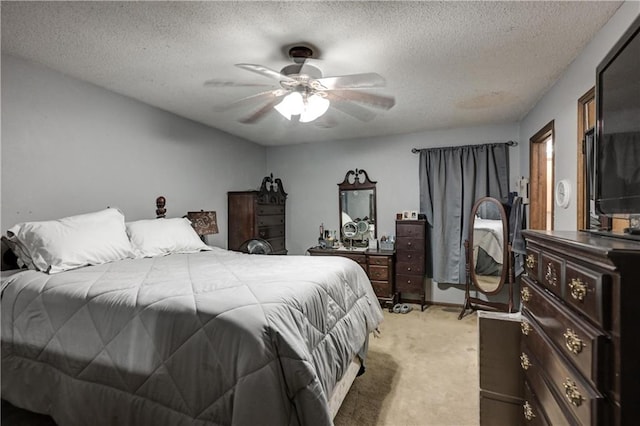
[
  {"x": 156, "y": 237},
  {"x": 74, "y": 241},
  {"x": 23, "y": 258}
]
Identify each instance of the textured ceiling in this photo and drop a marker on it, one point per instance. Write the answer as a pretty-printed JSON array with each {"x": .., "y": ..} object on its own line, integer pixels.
[{"x": 448, "y": 64}]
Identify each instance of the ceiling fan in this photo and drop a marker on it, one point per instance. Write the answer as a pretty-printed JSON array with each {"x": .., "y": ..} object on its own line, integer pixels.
[{"x": 304, "y": 94}]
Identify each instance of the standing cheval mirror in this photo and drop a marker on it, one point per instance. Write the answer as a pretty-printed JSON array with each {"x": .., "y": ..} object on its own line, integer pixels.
[{"x": 488, "y": 257}]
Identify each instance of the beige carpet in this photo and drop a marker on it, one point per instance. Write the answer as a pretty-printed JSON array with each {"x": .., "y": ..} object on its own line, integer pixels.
[{"x": 423, "y": 370}]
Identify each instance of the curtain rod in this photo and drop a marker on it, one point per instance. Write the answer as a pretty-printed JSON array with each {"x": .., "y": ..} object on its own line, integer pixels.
[{"x": 508, "y": 143}]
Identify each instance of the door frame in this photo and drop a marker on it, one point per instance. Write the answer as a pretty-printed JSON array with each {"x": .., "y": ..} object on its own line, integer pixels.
[
  {"x": 548, "y": 131},
  {"x": 581, "y": 202}
]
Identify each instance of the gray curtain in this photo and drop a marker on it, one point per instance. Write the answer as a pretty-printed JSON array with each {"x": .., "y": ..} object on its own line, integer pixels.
[{"x": 451, "y": 180}]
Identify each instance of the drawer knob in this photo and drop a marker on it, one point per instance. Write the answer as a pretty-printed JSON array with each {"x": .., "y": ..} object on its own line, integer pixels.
[
  {"x": 408, "y": 269},
  {"x": 524, "y": 361},
  {"x": 528, "y": 411},
  {"x": 525, "y": 294},
  {"x": 409, "y": 244},
  {"x": 572, "y": 393},
  {"x": 578, "y": 289},
  {"x": 525, "y": 327},
  {"x": 531, "y": 261},
  {"x": 551, "y": 276},
  {"x": 573, "y": 342},
  {"x": 408, "y": 256}
]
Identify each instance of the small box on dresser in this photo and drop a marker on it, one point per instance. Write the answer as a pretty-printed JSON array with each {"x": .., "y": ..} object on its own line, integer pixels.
[
  {"x": 411, "y": 258},
  {"x": 580, "y": 329}
]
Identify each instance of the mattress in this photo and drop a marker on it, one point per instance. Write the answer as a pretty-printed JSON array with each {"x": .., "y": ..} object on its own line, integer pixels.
[{"x": 211, "y": 338}]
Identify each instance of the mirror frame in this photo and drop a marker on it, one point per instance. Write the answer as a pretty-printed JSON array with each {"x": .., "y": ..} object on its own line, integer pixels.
[
  {"x": 506, "y": 278},
  {"x": 358, "y": 180},
  {"x": 505, "y": 245}
]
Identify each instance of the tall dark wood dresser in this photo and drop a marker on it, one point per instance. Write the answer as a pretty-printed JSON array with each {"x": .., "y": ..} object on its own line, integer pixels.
[
  {"x": 580, "y": 346},
  {"x": 258, "y": 214},
  {"x": 411, "y": 258}
]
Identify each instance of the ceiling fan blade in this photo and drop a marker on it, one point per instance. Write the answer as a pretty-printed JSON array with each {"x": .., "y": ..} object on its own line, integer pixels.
[
  {"x": 228, "y": 83},
  {"x": 325, "y": 122},
  {"x": 253, "y": 99},
  {"x": 349, "y": 108},
  {"x": 377, "y": 101},
  {"x": 266, "y": 72},
  {"x": 352, "y": 81},
  {"x": 253, "y": 118}
]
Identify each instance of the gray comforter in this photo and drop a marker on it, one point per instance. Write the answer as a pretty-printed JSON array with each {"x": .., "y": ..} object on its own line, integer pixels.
[{"x": 207, "y": 338}]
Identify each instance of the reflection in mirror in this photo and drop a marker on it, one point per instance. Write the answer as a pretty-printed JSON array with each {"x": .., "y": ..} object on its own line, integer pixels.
[
  {"x": 488, "y": 255},
  {"x": 357, "y": 203},
  {"x": 488, "y": 242}
]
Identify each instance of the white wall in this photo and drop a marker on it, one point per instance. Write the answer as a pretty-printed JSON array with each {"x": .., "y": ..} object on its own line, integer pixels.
[
  {"x": 561, "y": 105},
  {"x": 69, "y": 147},
  {"x": 311, "y": 173}
]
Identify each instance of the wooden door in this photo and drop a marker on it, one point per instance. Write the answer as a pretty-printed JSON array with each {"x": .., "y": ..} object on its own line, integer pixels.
[{"x": 541, "y": 178}]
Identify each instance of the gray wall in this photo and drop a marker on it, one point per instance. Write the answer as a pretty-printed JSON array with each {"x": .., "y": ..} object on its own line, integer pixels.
[
  {"x": 69, "y": 147},
  {"x": 311, "y": 172},
  {"x": 561, "y": 105}
]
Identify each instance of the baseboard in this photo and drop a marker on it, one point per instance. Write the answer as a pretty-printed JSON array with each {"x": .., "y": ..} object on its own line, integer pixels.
[{"x": 428, "y": 303}]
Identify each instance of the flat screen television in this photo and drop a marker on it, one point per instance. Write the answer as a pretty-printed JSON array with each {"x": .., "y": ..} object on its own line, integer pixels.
[{"x": 617, "y": 165}]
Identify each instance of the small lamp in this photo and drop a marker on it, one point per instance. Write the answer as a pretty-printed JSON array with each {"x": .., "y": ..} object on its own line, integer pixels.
[{"x": 204, "y": 223}]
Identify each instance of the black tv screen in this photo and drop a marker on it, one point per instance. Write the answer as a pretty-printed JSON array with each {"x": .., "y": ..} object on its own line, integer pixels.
[{"x": 617, "y": 186}]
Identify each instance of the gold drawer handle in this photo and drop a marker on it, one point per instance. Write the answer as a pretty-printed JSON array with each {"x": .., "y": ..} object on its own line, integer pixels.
[
  {"x": 578, "y": 289},
  {"x": 524, "y": 361},
  {"x": 531, "y": 261},
  {"x": 528, "y": 411},
  {"x": 525, "y": 327},
  {"x": 572, "y": 393},
  {"x": 573, "y": 342},
  {"x": 525, "y": 294},
  {"x": 551, "y": 276}
]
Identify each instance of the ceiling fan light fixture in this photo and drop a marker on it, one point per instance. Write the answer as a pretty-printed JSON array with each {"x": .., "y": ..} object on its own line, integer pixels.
[
  {"x": 292, "y": 104},
  {"x": 308, "y": 109},
  {"x": 316, "y": 106}
]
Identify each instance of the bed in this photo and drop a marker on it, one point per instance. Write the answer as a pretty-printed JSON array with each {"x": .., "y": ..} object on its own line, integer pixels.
[{"x": 204, "y": 337}]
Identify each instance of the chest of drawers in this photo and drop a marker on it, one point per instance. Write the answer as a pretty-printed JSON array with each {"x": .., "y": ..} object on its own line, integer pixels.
[
  {"x": 379, "y": 266},
  {"x": 258, "y": 214},
  {"x": 580, "y": 329},
  {"x": 411, "y": 258}
]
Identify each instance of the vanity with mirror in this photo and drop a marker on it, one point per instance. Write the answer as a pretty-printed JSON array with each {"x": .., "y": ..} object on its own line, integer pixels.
[
  {"x": 358, "y": 224},
  {"x": 488, "y": 257},
  {"x": 357, "y": 204}
]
